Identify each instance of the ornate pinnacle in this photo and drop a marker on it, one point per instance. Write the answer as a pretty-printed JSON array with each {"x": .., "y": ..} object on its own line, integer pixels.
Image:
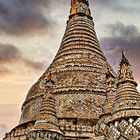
[
  {"x": 124, "y": 60},
  {"x": 47, "y": 122},
  {"x": 80, "y": 7},
  {"x": 127, "y": 100},
  {"x": 125, "y": 73}
]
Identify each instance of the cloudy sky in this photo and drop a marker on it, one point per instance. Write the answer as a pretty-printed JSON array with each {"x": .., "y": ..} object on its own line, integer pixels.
[{"x": 30, "y": 34}]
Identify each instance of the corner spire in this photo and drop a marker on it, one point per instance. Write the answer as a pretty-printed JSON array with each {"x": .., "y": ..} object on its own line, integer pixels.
[
  {"x": 127, "y": 97},
  {"x": 124, "y": 60},
  {"x": 48, "y": 116},
  {"x": 126, "y": 107},
  {"x": 81, "y": 8},
  {"x": 101, "y": 126},
  {"x": 125, "y": 73},
  {"x": 47, "y": 126}
]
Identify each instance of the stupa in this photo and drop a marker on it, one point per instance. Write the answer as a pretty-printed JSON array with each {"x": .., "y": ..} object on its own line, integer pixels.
[{"x": 79, "y": 97}]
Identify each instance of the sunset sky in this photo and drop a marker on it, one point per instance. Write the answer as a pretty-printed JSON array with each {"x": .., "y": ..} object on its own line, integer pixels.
[{"x": 30, "y": 35}]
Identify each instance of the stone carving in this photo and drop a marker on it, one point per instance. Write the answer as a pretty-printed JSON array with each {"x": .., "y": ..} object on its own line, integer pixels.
[
  {"x": 125, "y": 129},
  {"x": 125, "y": 72}
]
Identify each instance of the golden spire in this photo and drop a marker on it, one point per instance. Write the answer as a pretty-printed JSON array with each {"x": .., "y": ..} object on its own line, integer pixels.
[
  {"x": 74, "y": 1},
  {"x": 80, "y": 7}
]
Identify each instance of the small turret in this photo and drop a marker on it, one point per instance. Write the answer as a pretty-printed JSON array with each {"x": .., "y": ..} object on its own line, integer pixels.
[
  {"x": 125, "y": 122},
  {"x": 47, "y": 127},
  {"x": 127, "y": 97},
  {"x": 125, "y": 73}
]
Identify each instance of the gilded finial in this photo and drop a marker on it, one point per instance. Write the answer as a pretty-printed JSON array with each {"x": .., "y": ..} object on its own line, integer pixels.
[
  {"x": 74, "y": 2},
  {"x": 80, "y": 8}
]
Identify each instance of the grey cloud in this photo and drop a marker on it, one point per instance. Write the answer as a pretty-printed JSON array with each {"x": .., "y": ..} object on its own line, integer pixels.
[
  {"x": 24, "y": 16},
  {"x": 120, "y": 30},
  {"x": 34, "y": 65},
  {"x": 10, "y": 53},
  {"x": 21, "y": 17},
  {"x": 122, "y": 38},
  {"x": 117, "y": 5}
]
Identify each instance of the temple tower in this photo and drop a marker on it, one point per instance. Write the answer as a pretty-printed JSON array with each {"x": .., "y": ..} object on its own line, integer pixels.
[
  {"x": 125, "y": 121},
  {"x": 79, "y": 72},
  {"x": 77, "y": 98}
]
